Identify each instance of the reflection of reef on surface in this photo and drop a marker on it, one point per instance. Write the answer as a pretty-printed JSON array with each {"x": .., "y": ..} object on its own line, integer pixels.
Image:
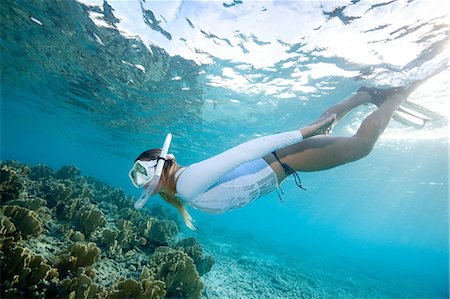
[
  {"x": 73, "y": 60},
  {"x": 65, "y": 235}
]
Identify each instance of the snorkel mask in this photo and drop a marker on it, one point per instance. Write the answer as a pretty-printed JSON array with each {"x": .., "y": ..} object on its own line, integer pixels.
[{"x": 147, "y": 174}]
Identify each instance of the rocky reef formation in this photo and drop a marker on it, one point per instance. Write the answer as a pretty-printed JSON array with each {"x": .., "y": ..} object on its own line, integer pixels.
[{"x": 64, "y": 235}]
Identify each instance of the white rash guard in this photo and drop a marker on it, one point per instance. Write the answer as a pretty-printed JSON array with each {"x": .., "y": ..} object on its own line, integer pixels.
[{"x": 235, "y": 177}]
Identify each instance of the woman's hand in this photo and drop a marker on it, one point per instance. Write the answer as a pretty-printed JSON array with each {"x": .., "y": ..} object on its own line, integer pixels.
[{"x": 322, "y": 127}]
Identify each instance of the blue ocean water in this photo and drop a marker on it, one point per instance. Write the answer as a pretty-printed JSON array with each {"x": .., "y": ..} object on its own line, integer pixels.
[{"x": 94, "y": 83}]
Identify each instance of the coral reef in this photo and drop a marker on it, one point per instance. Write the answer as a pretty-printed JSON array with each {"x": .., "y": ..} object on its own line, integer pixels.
[
  {"x": 160, "y": 233},
  {"x": 6, "y": 226},
  {"x": 40, "y": 172},
  {"x": 89, "y": 219},
  {"x": 80, "y": 255},
  {"x": 146, "y": 288},
  {"x": 29, "y": 203},
  {"x": 192, "y": 248},
  {"x": 81, "y": 286},
  {"x": 67, "y": 172},
  {"x": 11, "y": 183},
  {"x": 26, "y": 221},
  {"x": 64, "y": 235},
  {"x": 177, "y": 270},
  {"x": 24, "y": 274}
]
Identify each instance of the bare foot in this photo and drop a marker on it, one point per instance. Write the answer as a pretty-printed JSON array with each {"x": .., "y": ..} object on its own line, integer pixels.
[{"x": 322, "y": 127}]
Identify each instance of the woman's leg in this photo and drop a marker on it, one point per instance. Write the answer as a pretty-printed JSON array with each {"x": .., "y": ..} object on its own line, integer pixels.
[
  {"x": 326, "y": 121},
  {"x": 323, "y": 152},
  {"x": 341, "y": 109}
]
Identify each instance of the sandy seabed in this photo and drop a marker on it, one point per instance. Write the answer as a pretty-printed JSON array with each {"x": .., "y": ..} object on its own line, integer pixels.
[{"x": 247, "y": 267}]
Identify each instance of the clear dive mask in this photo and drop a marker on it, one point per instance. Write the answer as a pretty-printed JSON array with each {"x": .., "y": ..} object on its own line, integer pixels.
[
  {"x": 147, "y": 174},
  {"x": 142, "y": 172}
]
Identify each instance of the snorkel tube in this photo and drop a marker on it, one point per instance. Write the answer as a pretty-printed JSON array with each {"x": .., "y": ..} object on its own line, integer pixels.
[{"x": 152, "y": 187}]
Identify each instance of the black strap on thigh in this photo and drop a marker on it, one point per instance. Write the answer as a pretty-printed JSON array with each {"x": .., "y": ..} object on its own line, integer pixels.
[{"x": 288, "y": 171}]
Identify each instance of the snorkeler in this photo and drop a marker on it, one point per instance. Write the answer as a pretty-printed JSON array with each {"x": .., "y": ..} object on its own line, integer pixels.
[{"x": 244, "y": 173}]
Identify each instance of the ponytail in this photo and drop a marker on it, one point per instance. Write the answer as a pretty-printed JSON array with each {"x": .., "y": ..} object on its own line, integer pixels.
[
  {"x": 178, "y": 204},
  {"x": 170, "y": 168}
]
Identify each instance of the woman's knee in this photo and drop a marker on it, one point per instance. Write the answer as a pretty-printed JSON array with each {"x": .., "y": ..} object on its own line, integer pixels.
[{"x": 363, "y": 147}]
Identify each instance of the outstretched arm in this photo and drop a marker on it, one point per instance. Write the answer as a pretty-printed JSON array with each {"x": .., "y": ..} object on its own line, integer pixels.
[
  {"x": 322, "y": 126},
  {"x": 200, "y": 176}
]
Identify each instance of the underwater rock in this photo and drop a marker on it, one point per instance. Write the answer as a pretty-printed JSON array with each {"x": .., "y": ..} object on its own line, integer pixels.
[
  {"x": 153, "y": 288},
  {"x": 77, "y": 237},
  {"x": 26, "y": 221},
  {"x": 67, "y": 172},
  {"x": 177, "y": 270},
  {"x": 192, "y": 248},
  {"x": 145, "y": 226},
  {"x": 130, "y": 288}
]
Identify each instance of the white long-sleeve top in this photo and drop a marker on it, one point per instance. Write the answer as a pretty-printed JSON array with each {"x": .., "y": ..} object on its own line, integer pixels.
[{"x": 235, "y": 177}]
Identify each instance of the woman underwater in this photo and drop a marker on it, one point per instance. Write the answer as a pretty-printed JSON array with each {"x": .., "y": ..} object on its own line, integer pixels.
[{"x": 244, "y": 173}]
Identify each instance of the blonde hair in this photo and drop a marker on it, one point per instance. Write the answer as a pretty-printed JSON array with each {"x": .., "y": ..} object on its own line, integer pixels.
[{"x": 169, "y": 180}]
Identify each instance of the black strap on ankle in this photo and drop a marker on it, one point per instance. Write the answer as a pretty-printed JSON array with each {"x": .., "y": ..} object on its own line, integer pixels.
[{"x": 288, "y": 171}]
